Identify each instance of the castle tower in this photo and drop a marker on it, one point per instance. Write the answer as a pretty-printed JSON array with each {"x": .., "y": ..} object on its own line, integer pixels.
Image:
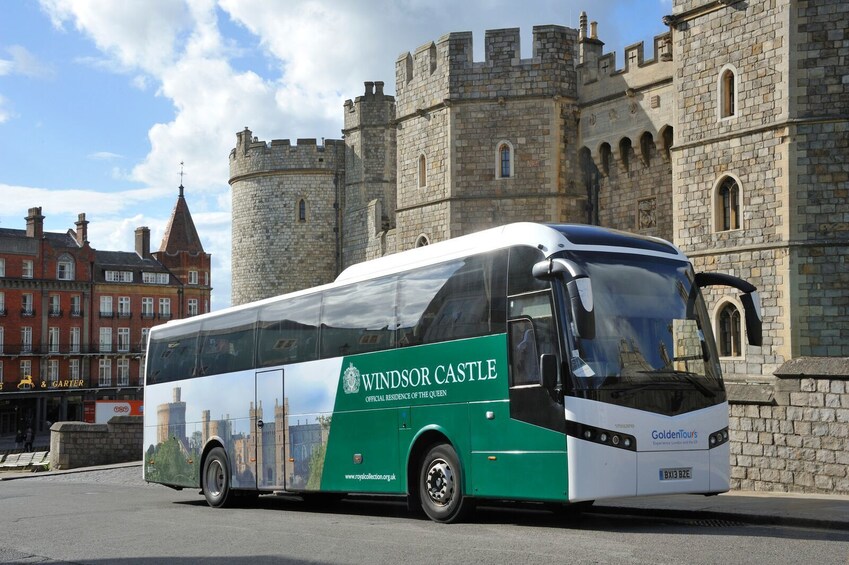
[
  {"x": 285, "y": 220},
  {"x": 758, "y": 189},
  {"x": 626, "y": 131},
  {"x": 369, "y": 205},
  {"x": 171, "y": 419},
  {"x": 485, "y": 143}
]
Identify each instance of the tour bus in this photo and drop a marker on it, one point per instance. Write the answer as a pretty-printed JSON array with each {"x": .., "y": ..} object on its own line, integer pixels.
[{"x": 552, "y": 363}]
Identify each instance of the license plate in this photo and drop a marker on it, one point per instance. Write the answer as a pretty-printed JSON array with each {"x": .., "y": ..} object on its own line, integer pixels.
[{"x": 676, "y": 474}]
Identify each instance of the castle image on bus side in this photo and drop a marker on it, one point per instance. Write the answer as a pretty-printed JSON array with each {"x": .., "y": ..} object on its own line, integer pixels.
[{"x": 728, "y": 136}]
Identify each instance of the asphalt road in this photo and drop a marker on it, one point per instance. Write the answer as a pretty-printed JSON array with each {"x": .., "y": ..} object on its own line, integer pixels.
[{"x": 112, "y": 516}]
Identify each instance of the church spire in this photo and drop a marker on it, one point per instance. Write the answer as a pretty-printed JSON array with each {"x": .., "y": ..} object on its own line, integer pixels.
[{"x": 180, "y": 234}]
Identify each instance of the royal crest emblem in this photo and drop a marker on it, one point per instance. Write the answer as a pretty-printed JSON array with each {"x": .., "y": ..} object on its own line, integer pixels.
[{"x": 351, "y": 380}]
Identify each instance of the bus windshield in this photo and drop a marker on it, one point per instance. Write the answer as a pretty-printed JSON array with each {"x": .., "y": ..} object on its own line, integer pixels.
[{"x": 653, "y": 348}]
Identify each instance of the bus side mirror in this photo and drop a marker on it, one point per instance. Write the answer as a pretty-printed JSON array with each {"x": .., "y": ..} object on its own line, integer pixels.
[
  {"x": 579, "y": 288},
  {"x": 750, "y": 298},
  {"x": 754, "y": 320}
]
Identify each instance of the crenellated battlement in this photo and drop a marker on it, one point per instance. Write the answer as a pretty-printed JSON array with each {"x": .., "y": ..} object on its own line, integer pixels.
[
  {"x": 251, "y": 156},
  {"x": 446, "y": 69},
  {"x": 374, "y": 108},
  {"x": 595, "y": 66}
]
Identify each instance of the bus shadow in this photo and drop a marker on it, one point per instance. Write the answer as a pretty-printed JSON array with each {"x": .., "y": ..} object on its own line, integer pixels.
[{"x": 533, "y": 515}]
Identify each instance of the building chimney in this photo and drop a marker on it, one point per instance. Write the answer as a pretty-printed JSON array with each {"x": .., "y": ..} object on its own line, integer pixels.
[
  {"x": 35, "y": 223},
  {"x": 143, "y": 242},
  {"x": 82, "y": 230}
]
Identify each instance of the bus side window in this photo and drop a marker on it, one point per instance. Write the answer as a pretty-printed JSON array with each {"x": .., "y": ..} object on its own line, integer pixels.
[
  {"x": 524, "y": 356},
  {"x": 288, "y": 331},
  {"x": 359, "y": 318}
]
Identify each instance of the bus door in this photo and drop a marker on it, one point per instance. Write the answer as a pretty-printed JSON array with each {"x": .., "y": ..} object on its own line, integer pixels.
[{"x": 269, "y": 427}]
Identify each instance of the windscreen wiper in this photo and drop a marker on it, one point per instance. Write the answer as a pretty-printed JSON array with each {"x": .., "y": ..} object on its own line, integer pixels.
[{"x": 689, "y": 377}]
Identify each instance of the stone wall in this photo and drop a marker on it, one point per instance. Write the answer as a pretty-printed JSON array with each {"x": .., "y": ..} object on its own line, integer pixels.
[
  {"x": 78, "y": 444},
  {"x": 796, "y": 438}
]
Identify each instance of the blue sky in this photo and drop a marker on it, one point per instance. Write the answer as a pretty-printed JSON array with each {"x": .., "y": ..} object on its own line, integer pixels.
[{"x": 101, "y": 100}]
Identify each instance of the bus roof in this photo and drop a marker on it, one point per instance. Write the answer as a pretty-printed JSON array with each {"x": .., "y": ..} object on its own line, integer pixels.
[{"x": 549, "y": 238}]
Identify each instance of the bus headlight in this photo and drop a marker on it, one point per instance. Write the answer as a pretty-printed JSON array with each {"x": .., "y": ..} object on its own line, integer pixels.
[
  {"x": 601, "y": 436},
  {"x": 718, "y": 438}
]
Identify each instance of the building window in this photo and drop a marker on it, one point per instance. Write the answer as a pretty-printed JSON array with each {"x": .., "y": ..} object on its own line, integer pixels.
[
  {"x": 730, "y": 331},
  {"x": 2, "y": 267},
  {"x": 75, "y": 340},
  {"x": 728, "y": 205},
  {"x": 155, "y": 278},
  {"x": 147, "y": 307},
  {"x": 123, "y": 372},
  {"x": 76, "y": 308},
  {"x": 26, "y": 339},
  {"x": 105, "y": 306},
  {"x": 625, "y": 152},
  {"x": 727, "y": 92},
  {"x": 2, "y": 304},
  {"x": 504, "y": 160},
  {"x": 165, "y": 308},
  {"x": 123, "y": 340},
  {"x": 1, "y": 342},
  {"x": 144, "y": 333},
  {"x": 104, "y": 372},
  {"x": 53, "y": 340},
  {"x": 65, "y": 268},
  {"x": 26, "y": 368},
  {"x": 27, "y": 269},
  {"x": 119, "y": 276},
  {"x": 74, "y": 369},
  {"x": 422, "y": 171},
  {"x": 55, "y": 310},
  {"x": 1, "y": 375},
  {"x": 422, "y": 240},
  {"x": 604, "y": 152},
  {"x": 302, "y": 210},
  {"x": 193, "y": 306},
  {"x": 53, "y": 370},
  {"x": 206, "y": 278},
  {"x": 26, "y": 305},
  {"x": 646, "y": 148},
  {"x": 124, "y": 307},
  {"x": 105, "y": 340},
  {"x": 193, "y": 277}
]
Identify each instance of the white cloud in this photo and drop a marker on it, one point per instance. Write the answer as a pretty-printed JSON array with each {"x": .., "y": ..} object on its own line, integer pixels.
[
  {"x": 105, "y": 156},
  {"x": 5, "y": 113},
  {"x": 24, "y": 63}
]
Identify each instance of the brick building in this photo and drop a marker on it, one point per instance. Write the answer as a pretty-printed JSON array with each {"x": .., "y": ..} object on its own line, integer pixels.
[
  {"x": 732, "y": 142},
  {"x": 74, "y": 320}
]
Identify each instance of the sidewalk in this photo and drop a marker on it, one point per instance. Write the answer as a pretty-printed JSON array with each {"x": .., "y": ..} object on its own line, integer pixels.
[{"x": 800, "y": 510}]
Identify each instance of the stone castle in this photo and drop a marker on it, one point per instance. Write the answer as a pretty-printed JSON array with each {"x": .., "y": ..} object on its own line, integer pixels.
[{"x": 732, "y": 142}]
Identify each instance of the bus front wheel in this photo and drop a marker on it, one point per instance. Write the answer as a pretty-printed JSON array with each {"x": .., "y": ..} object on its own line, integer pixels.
[
  {"x": 441, "y": 485},
  {"x": 216, "y": 479}
]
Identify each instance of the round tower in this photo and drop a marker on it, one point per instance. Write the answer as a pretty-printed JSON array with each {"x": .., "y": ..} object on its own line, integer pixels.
[{"x": 285, "y": 215}]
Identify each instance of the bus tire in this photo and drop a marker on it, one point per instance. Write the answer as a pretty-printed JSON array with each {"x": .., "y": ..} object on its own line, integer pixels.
[
  {"x": 215, "y": 479},
  {"x": 441, "y": 485}
]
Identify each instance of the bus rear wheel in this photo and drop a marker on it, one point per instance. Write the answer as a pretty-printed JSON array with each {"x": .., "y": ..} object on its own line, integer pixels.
[
  {"x": 215, "y": 479},
  {"x": 441, "y": 485}
]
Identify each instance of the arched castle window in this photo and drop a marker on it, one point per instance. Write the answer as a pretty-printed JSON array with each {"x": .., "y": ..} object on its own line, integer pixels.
[
  {"x": 590, "y": 176},
  {"x": 422, "y": 171},
  {"x": 422, "y": 240},
  {"x": 646, "y": 147},
  {"x": 625, "y": 152},
  {"x": 727, "y": 95},
  {"x": 65, "y": 268},
  {"x": 666, "y": 134},
  {"x": 604, "y": 152},
  {"x": 729, "y": 330},
  {"x": 727, "y": 204},
  {"x": 504, "y": 160},
  {"x": 302, "y": 210}
]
